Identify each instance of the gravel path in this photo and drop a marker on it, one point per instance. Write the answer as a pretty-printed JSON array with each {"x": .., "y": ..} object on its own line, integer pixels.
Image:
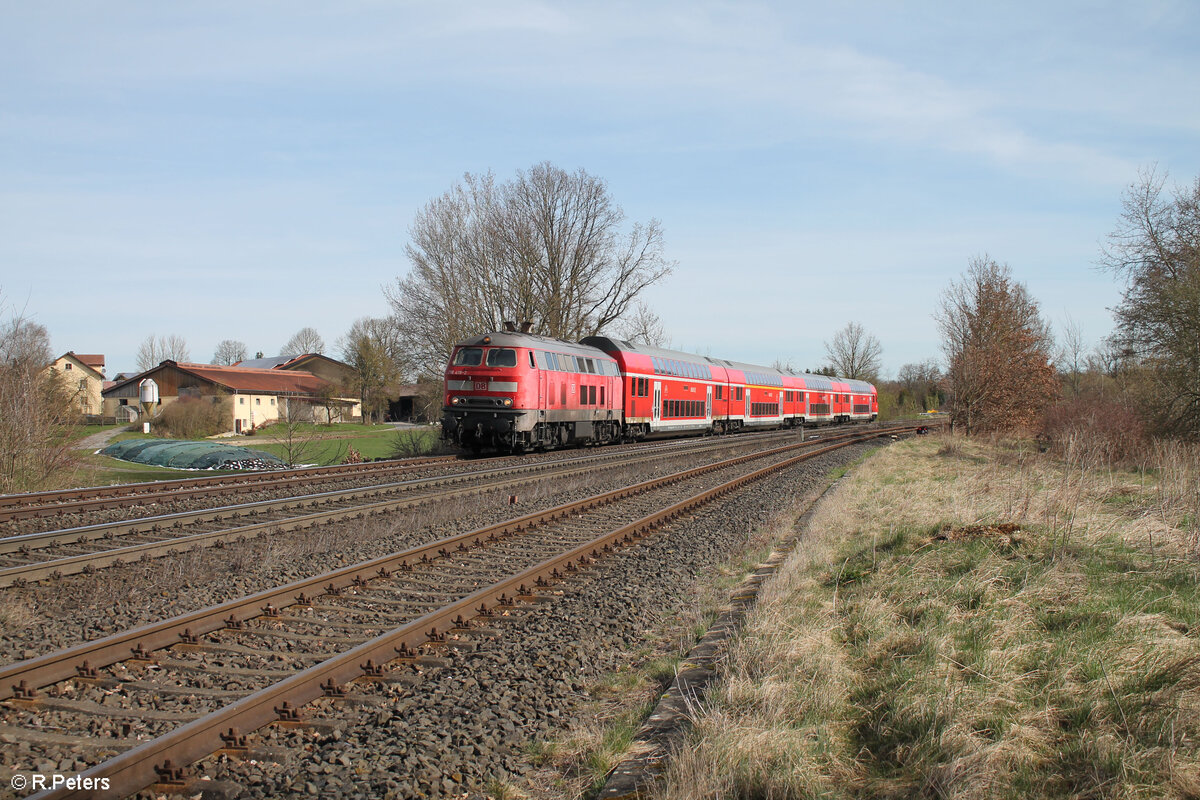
[{"x": 97, "y": 440}]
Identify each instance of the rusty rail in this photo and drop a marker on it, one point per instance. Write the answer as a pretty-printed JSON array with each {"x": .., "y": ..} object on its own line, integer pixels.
[
  {"x": 68, "y": 565},
  {"x": 54, "y": 503}
]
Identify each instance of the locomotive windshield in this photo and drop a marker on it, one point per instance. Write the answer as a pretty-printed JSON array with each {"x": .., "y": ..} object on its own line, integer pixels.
[
  {"x": 501, "y": 357},
  {"x": 468, "y": 357}
]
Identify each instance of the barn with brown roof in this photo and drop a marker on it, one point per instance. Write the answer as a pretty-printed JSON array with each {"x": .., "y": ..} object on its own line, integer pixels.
[{"x": 257, "y": 396}]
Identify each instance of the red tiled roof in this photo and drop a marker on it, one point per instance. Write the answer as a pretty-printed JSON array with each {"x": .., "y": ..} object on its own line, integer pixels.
[
  {"x": 94, "y": 360},
  {"x": 242, "y": 379}
]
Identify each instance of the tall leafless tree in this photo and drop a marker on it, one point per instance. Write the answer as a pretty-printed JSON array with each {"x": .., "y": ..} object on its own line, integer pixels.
[
  {"x": 304, "y": 341},
  {"x": 550, "y": 247},
  {"x": 1155, "y": 249},
  {"x": 998, "y": 349},
  {"x": 920, "y": 386},
  {"x": 854, "y": 353},
  {"x": 373, "y": 349},
  {"x": 229, "y": 351},
  {"x": 37, "y": 410},
  {"x": 156, "y": 349},
  {"x": 643, "y": 325},
  {"x": 1071, "y": 357}
]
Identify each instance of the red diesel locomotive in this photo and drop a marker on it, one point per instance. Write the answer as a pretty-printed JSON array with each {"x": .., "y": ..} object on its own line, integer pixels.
[{"x": 517, "y": 391}]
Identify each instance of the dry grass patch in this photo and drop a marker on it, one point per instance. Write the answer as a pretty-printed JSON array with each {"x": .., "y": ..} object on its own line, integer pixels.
[
  {"x": 961, "y": 625},
  {"x": 576, "y": 763},
  {"x": 15, "y": 615}
]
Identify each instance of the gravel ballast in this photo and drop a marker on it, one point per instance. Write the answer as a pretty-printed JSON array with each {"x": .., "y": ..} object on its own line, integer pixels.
[{"x": 455, "y": 727}]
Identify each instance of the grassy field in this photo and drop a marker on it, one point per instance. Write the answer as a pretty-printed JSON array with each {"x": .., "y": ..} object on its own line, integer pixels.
[
  {"x": 969, "y": 621},
  {"x": 330, "y": 444}
]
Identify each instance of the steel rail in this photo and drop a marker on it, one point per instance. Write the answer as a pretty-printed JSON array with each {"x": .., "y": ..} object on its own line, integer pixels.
[
  {"x": 37, "y": 505},
  {"x": 56, "y": 503},
  {"x": 154, "y": 524},
  {"x": 20, "y": 677},
  {"x": 146, "y": 763},
  {"x": 69, "y": 565}
]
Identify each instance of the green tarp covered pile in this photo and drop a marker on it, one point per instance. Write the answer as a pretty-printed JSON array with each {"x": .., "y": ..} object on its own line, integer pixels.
[{"x": 191, "y": 455}]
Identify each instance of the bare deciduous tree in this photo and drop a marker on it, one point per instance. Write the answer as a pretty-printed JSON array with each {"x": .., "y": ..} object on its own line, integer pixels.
[
  {"x": 854, "y": 353},
  {"x": 157, "y": 349},
  {"x": 547, "y": 247},
  {"x": 643, "y": 325},
  {"x": 920, "y": 386},
  {"x": 37, "y": 410},
  {"x": 229, "y": 351},
  {"x": 373, "y": 349},
  {"x": 1156, "y": 250},
  {"x": 784, "y": 365},
  {"x": 304, "y": 341},
  {"x": 299, "y": 444},
  {"x": 998, "y": 349},
  {"x": 1071, "y": 356}
]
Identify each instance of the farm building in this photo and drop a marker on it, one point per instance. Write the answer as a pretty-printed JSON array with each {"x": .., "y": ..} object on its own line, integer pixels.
[
  {"x": 322, "y": 366},
  {"x": 84, "y": 375},
  {"x": 256, "y": 396}
]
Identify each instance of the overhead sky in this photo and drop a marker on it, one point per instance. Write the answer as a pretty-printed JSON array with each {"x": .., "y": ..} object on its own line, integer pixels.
[{"x": 234, "y": 170}]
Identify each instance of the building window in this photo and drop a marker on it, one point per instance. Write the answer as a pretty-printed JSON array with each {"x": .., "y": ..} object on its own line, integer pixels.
[
  {"x": 272, "y": 401},
  {"x": 258, "y": 401},
  {"x": 67, "y": 365},
  {"x": 241, "y": 401}
]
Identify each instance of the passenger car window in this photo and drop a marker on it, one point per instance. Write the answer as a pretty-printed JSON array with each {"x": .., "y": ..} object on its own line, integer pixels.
[{"x": 468, "y": 357}]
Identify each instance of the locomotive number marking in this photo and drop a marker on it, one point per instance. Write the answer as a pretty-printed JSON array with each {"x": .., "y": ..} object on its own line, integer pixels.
[{"x": 481, "y": 386}]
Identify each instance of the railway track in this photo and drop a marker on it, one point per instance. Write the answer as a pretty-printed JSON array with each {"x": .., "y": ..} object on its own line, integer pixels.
[
  {"x": 71, "y": 501},
  {"x": 235, "y": 667},
  {"x": 33, "y": 557},
  {"x": 131, "y": 496}
]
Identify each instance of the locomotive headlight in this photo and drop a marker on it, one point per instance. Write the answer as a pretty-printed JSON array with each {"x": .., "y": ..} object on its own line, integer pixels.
[
  {"x": 508, "y": 401},
  {"x": 455, "y": 401}
]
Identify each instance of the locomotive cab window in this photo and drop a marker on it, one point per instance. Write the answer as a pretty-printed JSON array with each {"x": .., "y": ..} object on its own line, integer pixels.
[
  {"x": 468, "y": 357},
  {"x": 502, "y": 357}
]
